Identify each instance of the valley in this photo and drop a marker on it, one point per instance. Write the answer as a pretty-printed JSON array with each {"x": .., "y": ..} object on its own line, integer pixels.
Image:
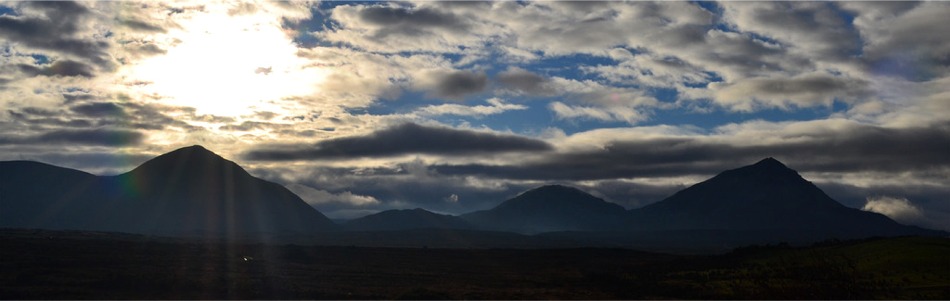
[{"x": 94, "y": 265}]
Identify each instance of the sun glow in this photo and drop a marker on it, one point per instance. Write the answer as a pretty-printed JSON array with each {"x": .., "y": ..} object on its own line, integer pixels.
[{"x": 226, "y": 65}]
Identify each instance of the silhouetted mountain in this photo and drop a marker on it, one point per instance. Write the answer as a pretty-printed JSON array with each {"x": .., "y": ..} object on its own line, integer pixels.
[
  {"x": 39, "y": 195},
  {"x": 766, "y": 196},
  {"x": 407, "y": 219},
  {"x": 189, "y": 191},
  {"x": 549, "y": 208}
]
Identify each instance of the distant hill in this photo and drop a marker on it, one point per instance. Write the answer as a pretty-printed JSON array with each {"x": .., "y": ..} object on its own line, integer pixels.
[
  {"x": 189, "y": 191},
  {"x": 194, "y": 192},
  {"x": 549, "y": 208},
  {"x": 407, "y": 219},
  {"x": 763, "y": 197}
]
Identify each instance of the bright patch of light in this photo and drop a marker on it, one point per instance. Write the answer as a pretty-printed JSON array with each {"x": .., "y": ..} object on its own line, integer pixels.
[{"x": 226, "y": 65}]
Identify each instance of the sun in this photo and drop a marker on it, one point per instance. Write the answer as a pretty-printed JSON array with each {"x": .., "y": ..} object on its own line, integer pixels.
[{"x": 226, "y": 65}]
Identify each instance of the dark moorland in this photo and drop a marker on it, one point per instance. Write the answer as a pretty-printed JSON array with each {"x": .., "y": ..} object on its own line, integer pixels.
[{"x": 39, "y": 264}]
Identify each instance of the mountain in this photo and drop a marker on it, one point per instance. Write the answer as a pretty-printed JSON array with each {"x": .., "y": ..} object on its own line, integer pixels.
[
  {"x": 549, "y": 208},
  {"x": 407, "y": 219},
  {"x": 39, "y": 195},
  {"x": 189, "y": 191},
  {"x": 766, "y": 197}
]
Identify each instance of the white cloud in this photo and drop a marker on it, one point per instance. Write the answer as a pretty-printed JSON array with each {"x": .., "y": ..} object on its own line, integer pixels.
[
  {"x": 453, "y": 198},
  {"x": 899, "y": 209},
  {"x": 318, "y": 198},
  {"x": 495, "y": 106},
  {"x": 625, "y": 114}
]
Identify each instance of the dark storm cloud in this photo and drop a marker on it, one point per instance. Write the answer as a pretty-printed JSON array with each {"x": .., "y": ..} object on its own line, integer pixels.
[
  {"x": 410, "y": 22},
  {"x": 456, "y": 85},
  {"x": 99, "y": 137},
  {"x": 525, "y": 81},
  {"x": 403, "y": 139},
  {"x": 59, "y": 68},
  {"x": 862, "y": 148},
  {"x": 55, "y": 31}
]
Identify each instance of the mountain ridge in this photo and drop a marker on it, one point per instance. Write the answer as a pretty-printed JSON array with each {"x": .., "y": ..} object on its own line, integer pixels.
[{"x": 193, "y": 191}]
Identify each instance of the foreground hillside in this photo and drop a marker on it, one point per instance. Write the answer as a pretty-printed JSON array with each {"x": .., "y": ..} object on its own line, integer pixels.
[{"x": 84, "y": 265}]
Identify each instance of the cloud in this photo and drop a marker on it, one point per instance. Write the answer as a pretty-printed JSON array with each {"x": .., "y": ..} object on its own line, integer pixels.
[
  {"x": 453, "y": 198},
  {"x": 345, "y": 205},
  {"x": 650, "y": 71},
  {"x": 617, "y": 113},
  {"x": 59, "y": 68},
  {"x": 99, "y": 109},
  {"x": 524, "y": 81},
  {"x": 409, "y": 21},
  {"x": 453, "y": 85},
  {"x": 817, "y": 147},
  {"x": 402, "y": 27},
  {"x": 899, "y": 209},
  {"x": 806, "y": 90},
  {"x": 403, "y": 139},
  {"x": 406, "y": 185},
  {"x": 59, "y": 26},
  {"x": 496, "y": 106},
  {"x": 98, "y": 137},
  {"x": 142, "y": 26},
  {"x": 316, "y": 197},
  {"x": 901, "y": 40},
  {"x": 815, "y": 29}
]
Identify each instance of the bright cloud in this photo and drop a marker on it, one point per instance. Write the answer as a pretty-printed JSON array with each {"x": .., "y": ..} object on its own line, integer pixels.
[{"x": 900, "y": 209}]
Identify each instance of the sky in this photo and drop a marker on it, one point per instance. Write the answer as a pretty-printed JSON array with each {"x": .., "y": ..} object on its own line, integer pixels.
[{"x": 456, "y": 106}]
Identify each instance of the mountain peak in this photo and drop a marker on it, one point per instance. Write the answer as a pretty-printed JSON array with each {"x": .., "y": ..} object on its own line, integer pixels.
[
  {"x": 555, "y": 188},
  {"x": 768, "y": 169},
  {"x": 770, "y": 163},
  {"x": 195, "y": 156},
  {"x": 196, "y": 151},
  {"x": 764, "y": 194},
  {"x": 196, "y": 147}
]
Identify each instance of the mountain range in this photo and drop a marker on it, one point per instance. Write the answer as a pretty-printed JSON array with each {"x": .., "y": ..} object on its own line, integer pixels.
[{"x": 194, "y": 192}]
